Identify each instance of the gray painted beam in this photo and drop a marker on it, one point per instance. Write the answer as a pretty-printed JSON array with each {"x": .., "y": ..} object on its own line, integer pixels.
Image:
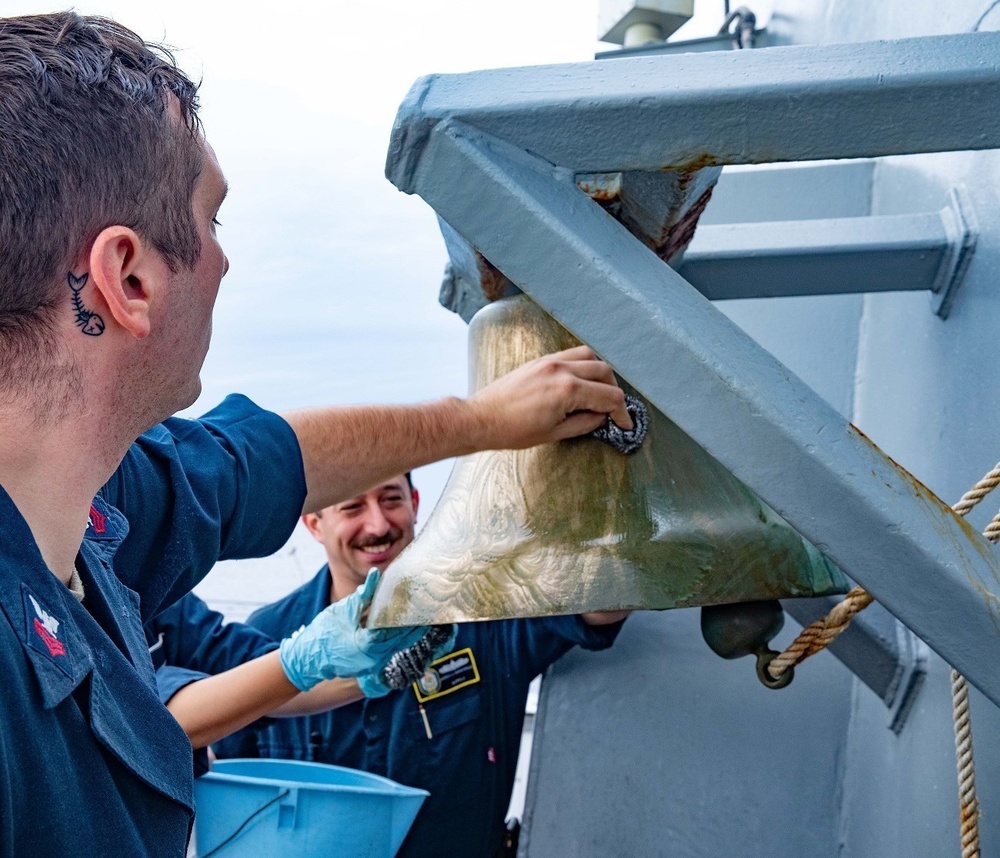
[
  {"x": 813, "y": 189},
  {"x": 886, "y": 530},
  {"x": 929, "y": 94},
  {"x": 888, "y": 253}
]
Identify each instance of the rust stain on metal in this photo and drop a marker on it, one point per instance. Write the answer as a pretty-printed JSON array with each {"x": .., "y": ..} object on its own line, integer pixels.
[
  {"x": 603, "y": 188},
  {"x": 921, "y": 491},
  {"x": 602, "y": 195},
  {"x": 682, "y": 232},
  {"x": 606, "y": 195},
  {"x": 599, "y": 193},
  {"x": 684, "y": 177},
  {"x": 492, "y": 280},
  {"x": 695, "y": 164},
  {"x": 990, "y": 599}
]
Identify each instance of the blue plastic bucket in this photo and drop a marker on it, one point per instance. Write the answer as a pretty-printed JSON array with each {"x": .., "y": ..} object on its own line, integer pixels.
[{"x": 280, "y": 808}]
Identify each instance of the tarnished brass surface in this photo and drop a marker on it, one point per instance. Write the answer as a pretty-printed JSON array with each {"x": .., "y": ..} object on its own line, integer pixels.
[{"x": 576, "y": 526}]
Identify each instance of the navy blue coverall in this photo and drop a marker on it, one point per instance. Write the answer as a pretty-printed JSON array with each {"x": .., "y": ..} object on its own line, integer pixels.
[
  {"x": 456, "y": 734},
  {"x": 189, "y": 641},
  {"x": 91, "y": 763}
]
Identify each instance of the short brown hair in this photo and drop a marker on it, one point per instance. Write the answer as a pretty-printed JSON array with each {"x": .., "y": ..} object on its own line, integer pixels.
[{"x": 86, "y": 141}]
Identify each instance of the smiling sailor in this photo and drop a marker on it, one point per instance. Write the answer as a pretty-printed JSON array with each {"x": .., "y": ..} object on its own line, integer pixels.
[{"x": 455, "y": 732}]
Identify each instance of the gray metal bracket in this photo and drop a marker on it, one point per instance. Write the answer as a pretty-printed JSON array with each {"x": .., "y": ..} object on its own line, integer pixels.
[
  {"x": 959, "y": 221},
  {"x": 875, "y": 253},
  {"x": 495, "y": 154}
]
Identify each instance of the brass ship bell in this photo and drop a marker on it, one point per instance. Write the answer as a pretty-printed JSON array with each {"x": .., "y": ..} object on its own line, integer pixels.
[{"x": 577, "y": 526}]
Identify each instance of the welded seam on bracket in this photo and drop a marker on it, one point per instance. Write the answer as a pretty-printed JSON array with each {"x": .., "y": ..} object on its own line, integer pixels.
[
  {"x": 911, "y": 681},
  {"x": 960, "y": 221}
]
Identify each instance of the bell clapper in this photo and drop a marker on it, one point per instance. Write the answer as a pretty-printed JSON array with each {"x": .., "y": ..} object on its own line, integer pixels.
[{"x": 746, "y": 628}]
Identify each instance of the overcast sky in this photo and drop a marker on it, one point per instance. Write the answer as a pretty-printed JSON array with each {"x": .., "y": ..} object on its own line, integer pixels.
[{"x": 331, "y": 297}]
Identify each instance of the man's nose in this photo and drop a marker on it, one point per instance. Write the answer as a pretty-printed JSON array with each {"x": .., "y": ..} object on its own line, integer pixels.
[
  {"x": 376, "y": 521},
  {"x": 225, "y": 265}
]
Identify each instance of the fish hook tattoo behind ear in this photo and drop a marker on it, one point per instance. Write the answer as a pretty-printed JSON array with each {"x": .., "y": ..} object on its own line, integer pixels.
[{"x": 89, "y": 322}]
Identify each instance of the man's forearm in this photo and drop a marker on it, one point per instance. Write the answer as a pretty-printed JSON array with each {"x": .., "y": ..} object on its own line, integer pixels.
[
  {"x": 347, "y": 450},
  {"x": 216, "y": 706},
  {"x": 329, "y": 694}
]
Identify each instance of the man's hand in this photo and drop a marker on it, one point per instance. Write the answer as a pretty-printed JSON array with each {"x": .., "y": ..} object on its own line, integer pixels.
[
  {"x": 556, "y": 396},
  {"x": 335, "y": 644},
  {"x": 347, "y": 450},
  {"x": 408, "y": 665}
]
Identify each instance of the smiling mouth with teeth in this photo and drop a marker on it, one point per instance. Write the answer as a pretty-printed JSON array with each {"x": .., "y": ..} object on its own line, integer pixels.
[
  {"x": 378, "y": 548},
  {"x": 384, "y": 544}
]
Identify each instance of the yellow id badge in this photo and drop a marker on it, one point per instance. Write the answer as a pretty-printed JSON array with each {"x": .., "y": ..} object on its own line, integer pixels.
[{"x": 455, "y": 670}]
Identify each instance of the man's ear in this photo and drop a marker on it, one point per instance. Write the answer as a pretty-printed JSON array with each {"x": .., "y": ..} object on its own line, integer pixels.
[
  {"x": 416, "y": 500},
  {"x": 311, "y": 521},
  {"x": 127, "y": 273}
]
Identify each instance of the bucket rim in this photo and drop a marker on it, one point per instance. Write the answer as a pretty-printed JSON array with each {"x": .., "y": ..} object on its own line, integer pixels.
[{"x": 382, "y": 786}]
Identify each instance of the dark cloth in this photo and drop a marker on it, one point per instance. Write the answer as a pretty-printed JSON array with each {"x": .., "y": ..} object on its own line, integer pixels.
[
  {"x": 469, "y": 762},
  {"x": 90, "y": 760}
]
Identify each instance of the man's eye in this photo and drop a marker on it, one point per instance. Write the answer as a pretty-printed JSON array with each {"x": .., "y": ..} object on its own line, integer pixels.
[{"x": 216, "y": 222}]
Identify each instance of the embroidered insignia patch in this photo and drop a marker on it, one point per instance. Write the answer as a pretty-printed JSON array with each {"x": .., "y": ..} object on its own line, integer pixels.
[
  {"x": 43, "y": 631},
  {"x": 450, "y": 673},
  {"x": 97, "y": 522}
]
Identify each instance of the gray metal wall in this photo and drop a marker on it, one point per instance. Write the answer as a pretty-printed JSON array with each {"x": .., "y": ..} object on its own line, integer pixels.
[{"x": 657, "y": 747}]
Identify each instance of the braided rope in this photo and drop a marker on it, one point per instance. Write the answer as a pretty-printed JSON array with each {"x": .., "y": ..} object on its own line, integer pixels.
[
  {"x": 819, "y": 635},
  {"x": 968, "y": 802},
  {"x": 978, "y": 491},
  {"x": 992, "y": 530}
]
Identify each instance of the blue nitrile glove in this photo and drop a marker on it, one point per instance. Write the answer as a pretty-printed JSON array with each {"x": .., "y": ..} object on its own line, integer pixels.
[
  {"x": 335, "y": 644},
  {"x": 408, "y": 665}
]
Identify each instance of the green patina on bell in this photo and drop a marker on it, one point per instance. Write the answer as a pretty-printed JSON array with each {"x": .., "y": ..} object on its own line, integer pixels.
[{"x": 576, "y": 526}]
